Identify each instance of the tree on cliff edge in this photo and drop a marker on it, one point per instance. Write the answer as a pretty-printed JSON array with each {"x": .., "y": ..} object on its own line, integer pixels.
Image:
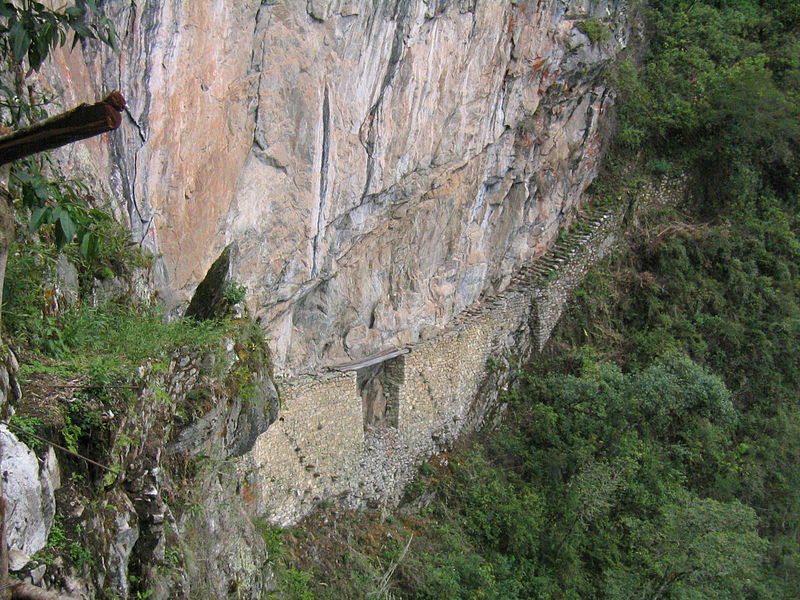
[{"x": 29, "y": 31}]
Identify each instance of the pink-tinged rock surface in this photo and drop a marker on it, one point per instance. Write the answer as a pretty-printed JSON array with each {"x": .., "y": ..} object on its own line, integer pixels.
[{"x": 377, "y": 165}]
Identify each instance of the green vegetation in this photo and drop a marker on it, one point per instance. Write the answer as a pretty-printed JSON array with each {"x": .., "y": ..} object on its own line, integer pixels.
[
  {"x": 66, "y": 541},
  {"x": 594, "y": 29},
  {"x": 32, "y": 29},
  {"x": 718, "y": 93},
  {"x": 654, "y": 450},
  {"x": 29, "y": 425},
  {"x": 105, "y": 337},
  {"x": 105, "y": 342},
  {"x": 234, "y": 293},
  {"x": 296, "y": 585},
  {"x": 82, "y": 363},
  {"x": 63, "y": 211},
  {"x": 272, "y": 536},
  {"x": 62, "y": 208}
]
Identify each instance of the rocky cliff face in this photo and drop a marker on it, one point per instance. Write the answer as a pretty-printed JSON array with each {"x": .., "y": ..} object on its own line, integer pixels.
[
  {"x": 377, "y": 165},
  {"x": 374, "y": 166}
]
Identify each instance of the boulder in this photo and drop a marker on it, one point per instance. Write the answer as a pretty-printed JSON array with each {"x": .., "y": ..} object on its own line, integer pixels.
[{"x": 28, "y": 491}]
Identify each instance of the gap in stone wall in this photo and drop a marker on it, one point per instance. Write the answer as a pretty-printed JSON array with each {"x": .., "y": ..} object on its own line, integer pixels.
[{"x": 379, "y": 388}]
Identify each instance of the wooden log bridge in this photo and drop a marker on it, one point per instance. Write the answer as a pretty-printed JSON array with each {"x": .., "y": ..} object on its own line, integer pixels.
[{"x": 83, "y": 121}]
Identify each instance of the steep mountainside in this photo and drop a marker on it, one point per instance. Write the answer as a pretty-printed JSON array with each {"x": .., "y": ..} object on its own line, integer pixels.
[
  {"x": 373, "y": 169},
  {"x": 380, "y": 173},
  {"x": 378, "y": 165}
]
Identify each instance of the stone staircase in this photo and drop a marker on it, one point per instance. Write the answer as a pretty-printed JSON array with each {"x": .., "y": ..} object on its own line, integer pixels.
[{"x": 571, "y": 249}]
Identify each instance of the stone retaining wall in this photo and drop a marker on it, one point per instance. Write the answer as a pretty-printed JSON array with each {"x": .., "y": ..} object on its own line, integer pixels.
[
  {"x": 572, "y": 260},
  {"x": 310, "y": 453},
  {"x": 321, "y": 448}
]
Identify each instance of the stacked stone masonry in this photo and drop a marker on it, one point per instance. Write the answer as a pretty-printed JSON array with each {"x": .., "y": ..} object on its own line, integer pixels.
[
  {"x": 311, "y": 451},
  {"x": 321, "y": 448}
]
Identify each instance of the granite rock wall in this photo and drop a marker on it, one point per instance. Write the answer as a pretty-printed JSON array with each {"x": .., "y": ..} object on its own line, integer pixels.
[
  {"x": 322, "y": 448},
  {"x": 378, "y": 165}
]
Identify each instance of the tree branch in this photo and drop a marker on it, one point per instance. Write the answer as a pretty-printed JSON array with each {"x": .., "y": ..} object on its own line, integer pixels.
[{"x": 83, "y": 121}]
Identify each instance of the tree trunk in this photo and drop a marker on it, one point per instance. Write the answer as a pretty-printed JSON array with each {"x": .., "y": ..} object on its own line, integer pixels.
[
  {"x": 83, "y": 121},
  {"x": 6, "y": 239},
  {"x": 5, "y": 591}
]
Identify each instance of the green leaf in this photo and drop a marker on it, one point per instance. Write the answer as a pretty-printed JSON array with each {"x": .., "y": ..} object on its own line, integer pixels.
[
  {"x": 61, "y": 239},
  {"x": 82, "y": 30},
  {"x": 57, "y": 214},
  {"x": 20, "y": 42},
  {"x": 38, "y": 218},
  {"x": 45, "y": 37},
  {"x": 29, "y": 199},
  {"x": 40, "y": 189},
  {"x": 87, "y": 244},
  {"x": 36, "y": 56},
  {"x": 107, "y": 33},
  {"x": 7, "y": 10},
  {"x": 67, "y": 227},
  {"x": 22, "y": 176},
  {"x": 94, "y": 247}
]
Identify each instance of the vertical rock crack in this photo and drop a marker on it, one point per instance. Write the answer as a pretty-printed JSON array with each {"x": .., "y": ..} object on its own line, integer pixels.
[{"x": 323, "y": 179}]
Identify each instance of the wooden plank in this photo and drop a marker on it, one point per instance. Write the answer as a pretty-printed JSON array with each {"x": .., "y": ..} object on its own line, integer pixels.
[{"x": 371, "y": 360}]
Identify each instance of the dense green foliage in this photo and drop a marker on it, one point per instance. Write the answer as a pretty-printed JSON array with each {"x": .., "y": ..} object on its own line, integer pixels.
[
  {"x": 67, "y": 206},
  {"x": 594, "y": 29},
  {"x": 654, "y": 452},
  {"x": 106, "y": 339},
  {"x": 585, "y": 494},
  {"x": 728, "y": 294},
  {"x": 719, "y": 91}
]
